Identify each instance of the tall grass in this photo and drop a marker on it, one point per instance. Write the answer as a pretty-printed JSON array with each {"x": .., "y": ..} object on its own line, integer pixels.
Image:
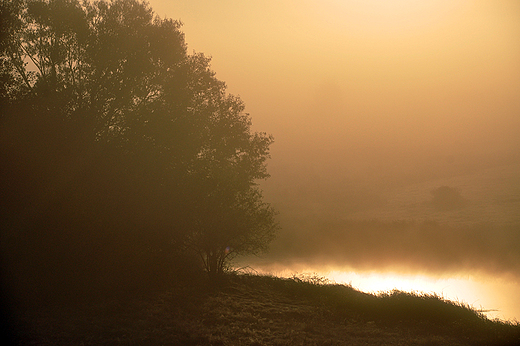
[{"x": 414, "y": 310}]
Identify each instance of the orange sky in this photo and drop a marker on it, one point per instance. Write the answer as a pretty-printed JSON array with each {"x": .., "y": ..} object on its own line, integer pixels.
[
  {"x": 366, "y": 95},
  {"x": 436, "y": 75},
  {"x": 368, "y": 89},
  {"x": 369, "y": 96}
]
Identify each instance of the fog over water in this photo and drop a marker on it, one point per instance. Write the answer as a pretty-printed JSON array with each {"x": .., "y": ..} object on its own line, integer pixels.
[{"x": 374, "y": 106}]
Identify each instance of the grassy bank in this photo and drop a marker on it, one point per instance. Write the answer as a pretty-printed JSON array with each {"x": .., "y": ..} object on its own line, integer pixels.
[{"x": 262, "y": 310}]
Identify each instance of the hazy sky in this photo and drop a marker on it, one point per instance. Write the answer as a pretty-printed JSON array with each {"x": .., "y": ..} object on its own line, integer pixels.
[
  {"x": 334, "y": 77},
  {"x": 372, "y": 104}
]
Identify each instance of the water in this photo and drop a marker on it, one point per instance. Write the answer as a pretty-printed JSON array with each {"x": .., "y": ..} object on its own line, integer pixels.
[
  {"x": 494, "y": 200},
  {"x": 496, "y": 297}
]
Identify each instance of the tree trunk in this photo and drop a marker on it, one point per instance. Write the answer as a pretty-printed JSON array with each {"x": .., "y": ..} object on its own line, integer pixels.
[{"x": 212, "y": 265}]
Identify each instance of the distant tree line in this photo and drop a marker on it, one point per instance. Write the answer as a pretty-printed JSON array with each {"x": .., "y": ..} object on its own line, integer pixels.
[{"x": 122, "y": 155}]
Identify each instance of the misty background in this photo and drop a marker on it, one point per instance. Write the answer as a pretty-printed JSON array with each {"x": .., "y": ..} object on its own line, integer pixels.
[
  {"x": 395, "y": 129},
  {"x": 373, "y": 106}
]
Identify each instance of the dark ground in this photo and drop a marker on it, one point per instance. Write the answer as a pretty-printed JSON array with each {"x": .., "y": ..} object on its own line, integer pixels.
[{"x": 257, "y": 310}]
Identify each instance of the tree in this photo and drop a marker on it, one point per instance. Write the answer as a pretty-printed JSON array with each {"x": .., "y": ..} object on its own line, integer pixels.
[
  {"x": 231, "y": 217},
  {"x": 445, "y": 198},
  {"x": 116, "y": 142},
  {"x": 236, "y": 224}
]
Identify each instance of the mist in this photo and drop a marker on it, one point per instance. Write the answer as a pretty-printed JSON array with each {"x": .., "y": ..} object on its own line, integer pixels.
[
  {"x": 373, "y": 105},
  {"x": 389, "y": 131},
  {"x": 367, "y": 100}
]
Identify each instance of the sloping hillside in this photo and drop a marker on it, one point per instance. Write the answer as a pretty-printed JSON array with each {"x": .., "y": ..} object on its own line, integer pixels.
[{"x": 259, "y": 310}]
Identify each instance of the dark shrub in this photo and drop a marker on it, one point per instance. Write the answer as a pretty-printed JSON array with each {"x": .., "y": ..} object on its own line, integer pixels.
[{"x": 447, "y": 198}]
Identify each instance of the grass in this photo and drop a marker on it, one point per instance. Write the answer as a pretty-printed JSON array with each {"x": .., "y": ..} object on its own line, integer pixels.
[{"x": 263, "y": 310}]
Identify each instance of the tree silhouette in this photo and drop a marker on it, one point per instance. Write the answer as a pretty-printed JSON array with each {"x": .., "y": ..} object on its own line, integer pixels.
[
  {"x": 118, "y": 146},
  {"x": 445, "y": 198},
  {"x": 231, "y": 221}
]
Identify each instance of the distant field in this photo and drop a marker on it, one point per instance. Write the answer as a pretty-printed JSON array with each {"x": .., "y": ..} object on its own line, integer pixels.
[
  {"x": 407, "y": 228},
  {"x": 332, "y": 231},
  {"x": 493, "y": 196}
]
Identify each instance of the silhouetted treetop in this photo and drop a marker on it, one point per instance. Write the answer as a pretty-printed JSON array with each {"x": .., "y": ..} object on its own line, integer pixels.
[{"x": 118, "y": 142}]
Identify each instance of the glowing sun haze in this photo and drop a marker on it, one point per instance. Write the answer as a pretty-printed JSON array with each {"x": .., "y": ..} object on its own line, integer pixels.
[
  {"x": 374, "y": 103},
  {"x": 440, "y": 75}
]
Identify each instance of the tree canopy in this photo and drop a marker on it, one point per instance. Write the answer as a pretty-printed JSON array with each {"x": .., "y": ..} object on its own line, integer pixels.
[{"x": 117, "y": 144}]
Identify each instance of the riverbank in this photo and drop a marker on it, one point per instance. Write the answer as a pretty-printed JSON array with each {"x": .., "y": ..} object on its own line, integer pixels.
[{"x": 263, "y": 310}]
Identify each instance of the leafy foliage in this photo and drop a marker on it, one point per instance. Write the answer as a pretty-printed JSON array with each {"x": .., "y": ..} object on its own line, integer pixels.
[{"x": 120, "y": 150}]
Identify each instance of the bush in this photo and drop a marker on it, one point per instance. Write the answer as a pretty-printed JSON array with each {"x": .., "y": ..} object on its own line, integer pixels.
[{"x": 447, "y": 198}]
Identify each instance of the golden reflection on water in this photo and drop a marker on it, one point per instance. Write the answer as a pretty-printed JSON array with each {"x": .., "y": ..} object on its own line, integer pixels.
[{"x": 496, "y": 296}]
